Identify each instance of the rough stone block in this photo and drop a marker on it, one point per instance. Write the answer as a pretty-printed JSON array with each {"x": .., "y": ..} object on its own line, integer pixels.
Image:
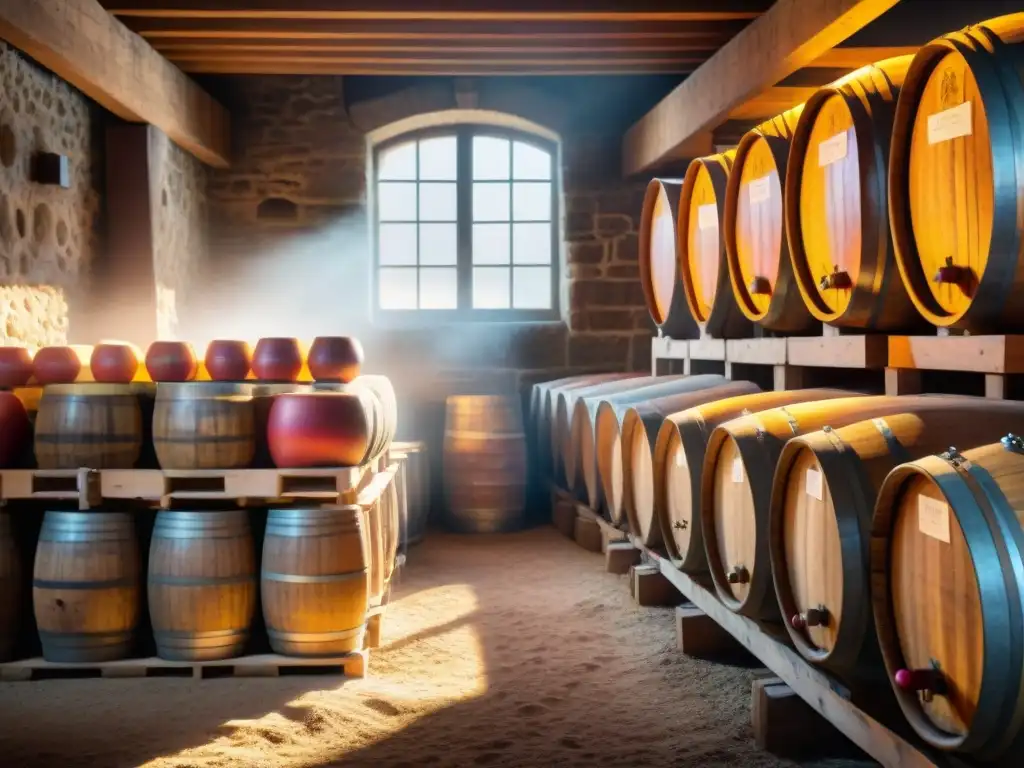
[
  {"x": 563, "y": 516},
  {"x": 785, "y": 725},
  {"x": 697, "y": 634},
  {"x": 606, "y": 293},
  {"x": 598, "y": 350},
  {"x": 651, "y": 588},
  {"x": 613, "y": 224},
  {"x": 620, "y": 557},
  {"x": 587, "y": 534},
  {"x": 587, "y": 252},
  {"x": 626, "y": 248}
]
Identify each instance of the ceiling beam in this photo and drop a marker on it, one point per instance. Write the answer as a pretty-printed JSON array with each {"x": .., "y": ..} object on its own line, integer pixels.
[
  {"x": 174, "y": 46},
  {"x": 83, "y": 44},
  {"x": 790, "y": 35},
  {"x": 564, "y": 67}
]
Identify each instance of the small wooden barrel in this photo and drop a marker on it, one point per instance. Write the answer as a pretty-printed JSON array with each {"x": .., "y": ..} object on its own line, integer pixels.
[
  {"x": 484, "y": 463},
  {"x": 836, "y": 203},
  {"x": 202, "y": 584},
  {"x": 417, "y": 489},
  {"x": 823, "y": 496},
  {"x": 204, "y": 425},
  {"x": 760, "y": 270},
  {"x": 314, "y": 581},
  {"x": 659, "y": 262},
  {"x": 89, "y": 425},
  {"x": 85, "y": 588},
  {"x": 703, "y": 265},
  {"x": 947, "y": 558},
  {"x": 955, "y": 193},
  {"x": 10, "y": 589}
]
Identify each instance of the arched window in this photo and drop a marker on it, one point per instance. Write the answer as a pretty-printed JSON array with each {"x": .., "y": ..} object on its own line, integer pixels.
[{"x": 467, "y": 225}]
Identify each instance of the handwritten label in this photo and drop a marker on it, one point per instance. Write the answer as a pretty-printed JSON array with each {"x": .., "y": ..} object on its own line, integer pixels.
[
  {"x": 933, "y": 518},
  {"x": 950, "y": 123},
  {"x": 832, "y": 150},
  {"x": 707, "y": 216},
  {"x": 737, "y": 470},
  {"x": 760, "y": 189},
  {"x": 814, "y": 484}
]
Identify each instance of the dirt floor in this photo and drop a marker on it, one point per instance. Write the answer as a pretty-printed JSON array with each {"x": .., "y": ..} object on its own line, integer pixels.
[{"x": 513, "y": 650}]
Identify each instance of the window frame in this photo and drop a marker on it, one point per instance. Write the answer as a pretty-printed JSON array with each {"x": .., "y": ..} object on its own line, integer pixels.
[{"x": 464, "y": 134}]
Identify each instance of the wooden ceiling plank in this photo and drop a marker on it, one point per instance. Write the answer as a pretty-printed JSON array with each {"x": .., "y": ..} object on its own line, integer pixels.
[
  {"x": 83, "y": 44},
  {"x": 790, "y": 35},
  {"x": 855, "y": 58},
  {"x": 479, "y": 70},
  {"x": 468, "y": 45}
]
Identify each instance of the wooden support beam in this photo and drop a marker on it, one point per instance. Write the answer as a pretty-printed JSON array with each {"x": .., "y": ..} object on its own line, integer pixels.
[
  {"x": 790, "y": 35},
  {"x": 83, "y": 44}
]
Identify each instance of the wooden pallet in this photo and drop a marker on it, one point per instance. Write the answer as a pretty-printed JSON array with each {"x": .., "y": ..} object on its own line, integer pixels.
[
  {"x": 352, "y": 665},
  {"x": 996, "y": 362}
]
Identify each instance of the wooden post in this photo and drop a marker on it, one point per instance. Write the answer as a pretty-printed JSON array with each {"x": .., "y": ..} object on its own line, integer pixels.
[
  {"x": 620, "y": 556},
  {"x": 587, "y": 534},
  {"x": 651, "y": 588}
]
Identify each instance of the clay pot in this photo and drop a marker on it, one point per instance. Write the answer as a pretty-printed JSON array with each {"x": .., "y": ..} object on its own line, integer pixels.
[
  {"x": 15, "y": 367},
  {"x": 171, "y": 361},
  {"x": 56, "y": 365},
  {"x": 335, "y": 358},
  {"x": 277, "y": 359},
  {"x": 114, "y": 363},
  {"x": 319, "y": 429},
  {"x": 228, "y": 360},
  {"x": 15, "y": 429}
]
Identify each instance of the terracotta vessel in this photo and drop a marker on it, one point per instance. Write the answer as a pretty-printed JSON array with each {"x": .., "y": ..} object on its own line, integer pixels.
[
  {"x": 318, "y": 429},
  {"x": 15, "y": 367},
  {"x": 277, "y": 359},
  {"x": 15, "y": 429},
  {"x": 56, "y": 365},
  {"x": 171, "y": 361},
  {"x": 335, "y": 358},
  {"x": 228, "y": 360},
  {"x": 114, "y": 363}
]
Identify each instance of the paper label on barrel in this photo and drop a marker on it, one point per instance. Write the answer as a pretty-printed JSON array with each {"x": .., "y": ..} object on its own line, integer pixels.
[
  {"x": 707, "y": 216},
  {"x": 814, "y": 485},
  {"x": 760, "y": 189},
  {"x": 950, "y": 123},
  {"x": 737, "y": 470},
  {"x": 933, "y": 518},
  {"x": 832, "y": 150}
]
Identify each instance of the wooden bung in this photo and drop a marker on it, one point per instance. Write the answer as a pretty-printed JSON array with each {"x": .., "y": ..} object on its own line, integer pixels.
[{"x": 659, "y": 263}]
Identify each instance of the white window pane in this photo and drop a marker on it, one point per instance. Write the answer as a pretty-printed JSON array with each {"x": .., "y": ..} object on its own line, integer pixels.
[
  {"x": 490, "y": 288},
  {"x": 438, "y": 202},
  {"x": 530, "y": 162},
  {"x": 397, "y": 163},
  {"x": 438, "y": 159},
  {"x": 531, "y": 288},
  {"x": 397, "y": 244},
  {"x": 397, "y": 287},
  {"x": 438, "y": 244},
  {"x": 491, "y": 244},
  {"x": 531, "y": 243},
  {"x": 490, "y": 202},
  {"x": 439, "y": 288},
  {"x": 396, "y": 201},
  {"x": 490, "y": 158},
  {"x": 531, "y": 201}
]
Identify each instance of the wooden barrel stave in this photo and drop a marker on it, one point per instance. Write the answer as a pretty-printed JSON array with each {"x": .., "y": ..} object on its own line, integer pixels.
[
  {"x": 204, "y": 425},
  {"x": 659, "y": 264},
  {"x": 10, "y": 589},
  {"x": 417, "y": 486}
]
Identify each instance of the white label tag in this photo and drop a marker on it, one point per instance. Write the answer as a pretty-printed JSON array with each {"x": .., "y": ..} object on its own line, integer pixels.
[
  {"x": 951, "y": 123},
  {"x": 707, "y": 216},
  {"x": 831, "y": 150},
  {"x": 760, "y": 189},
  {"x": 933, "y": 518},
  {"x": 737, "y": 470},
  {"x": 814, "y": 484}
]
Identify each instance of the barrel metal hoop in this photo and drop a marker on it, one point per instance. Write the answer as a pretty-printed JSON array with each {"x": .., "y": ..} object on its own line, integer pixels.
[
  {"x": 200, "y": 581},
  {"x": 896, "y": 448},
  {"x": 794, "y": 425},
  {"x": 327, "y": 578},
  {"x": 127, "y": 582}
]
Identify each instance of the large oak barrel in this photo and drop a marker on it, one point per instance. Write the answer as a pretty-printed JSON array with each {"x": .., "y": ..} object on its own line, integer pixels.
[
  {"x": 89, "y": 425},
  {"x": 836, "y": 203},
  {"x": 659, "y": 263},
  {"x": 701, "y": 247},
  {"x": 586, "y": 482},
  {"x": 314, "y": 583},
  {"x": 85, "y": 589},
  {"x": 760, "y": 270},
  {"x": 625, "y": 438},
  {"x": 484, "y": 464},
  {"x": 202, "y": 584},
  {"x": 822, "y": 500},
  {"x": 678, "y": 459},
  {"x": 204, "y": 425},
  {"x": 947, "y": 585},
  {"x": 955, "y": 190},
  {"x": 417, "y": 489},
  {"x": 11, "y": 583}
]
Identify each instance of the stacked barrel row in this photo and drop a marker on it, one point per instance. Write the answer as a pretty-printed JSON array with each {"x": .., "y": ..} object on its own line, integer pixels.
[
  {"x": 889, "y": 200},
  {"x": 886, "y": 553}
]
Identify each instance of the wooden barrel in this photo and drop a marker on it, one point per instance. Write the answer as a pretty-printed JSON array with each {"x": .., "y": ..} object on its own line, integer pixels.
[
  {"x": 625, "y": 439},
  {"x": 837, "y": 205},
  {"x": 417, "y": 490},
  {"x": 314, "y": 582},
  {"x": 98, "y": 426},
  {"x": 760, "y": 270},
  {"x": 823, "y": 496},
  {"x": 202, "y": 584},
  {"x": 947, "y": 558},
  {"x": 678, "y": 458},
  {"x": 736, "y": 488},
  {"x": 204, "y": 425},
  {"x": 85, "y": 588},
  {"x": 955, "y": 193},
  {"x": 484, "y": 463},
  {"x": 586, "y": 482},
  {"x": 703, "y": 265},
  {"x": 10, "y": 589},
  {"x": 659, "y": 264}
]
